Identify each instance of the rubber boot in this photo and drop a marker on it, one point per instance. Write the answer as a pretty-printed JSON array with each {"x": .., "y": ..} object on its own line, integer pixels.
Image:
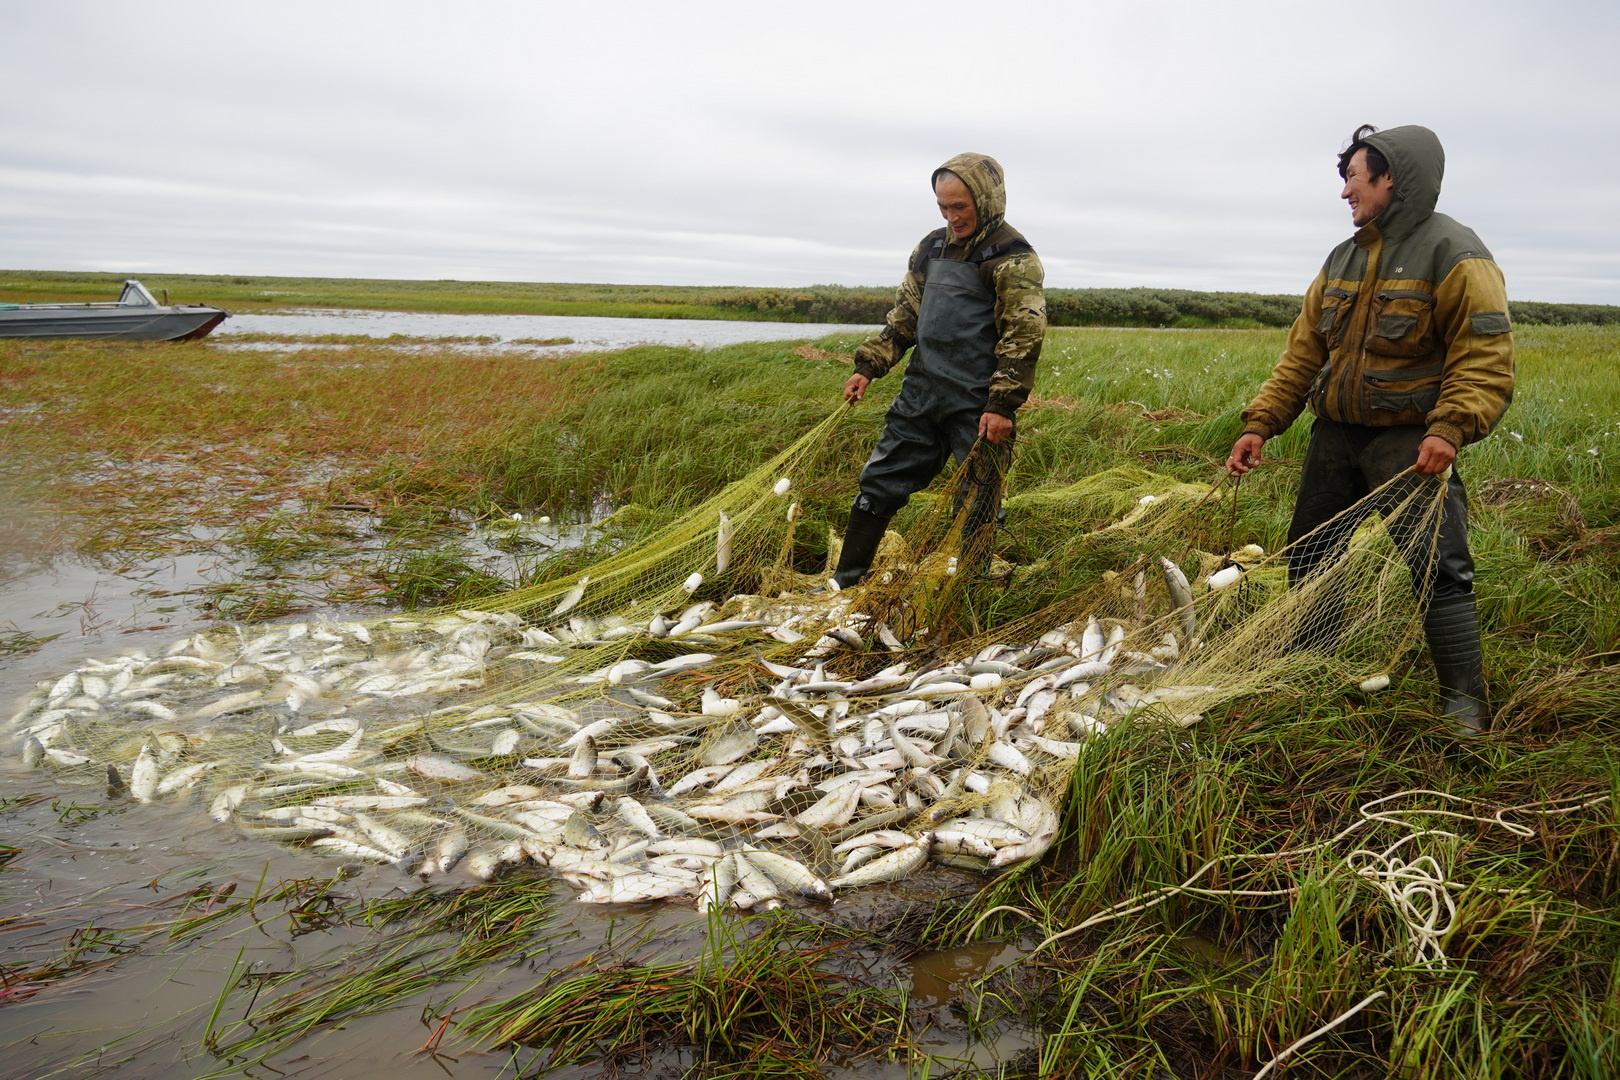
[
  {"x": 861, "y": 538},
  {"x": 1452, "y": 627}
]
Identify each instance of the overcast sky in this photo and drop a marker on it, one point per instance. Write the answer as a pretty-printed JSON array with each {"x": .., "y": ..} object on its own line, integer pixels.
[{"x": 1182, "y": 143}]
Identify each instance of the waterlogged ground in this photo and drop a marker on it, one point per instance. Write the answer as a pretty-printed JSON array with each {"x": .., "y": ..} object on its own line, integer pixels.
[
  {"x": 94, "y": 870},
  {"x": 136, "y": 936}
]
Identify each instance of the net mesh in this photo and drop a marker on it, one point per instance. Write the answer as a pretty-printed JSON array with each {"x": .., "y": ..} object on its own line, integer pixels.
[{"x": 697, "y": 716}]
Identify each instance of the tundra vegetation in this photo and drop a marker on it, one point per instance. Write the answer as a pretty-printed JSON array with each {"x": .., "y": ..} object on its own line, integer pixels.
[
  {"x": 810, "y": 304},
  {"x": 377, "y": 474}
]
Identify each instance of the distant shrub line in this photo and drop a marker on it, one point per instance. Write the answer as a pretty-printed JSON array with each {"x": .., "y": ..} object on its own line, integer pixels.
[{"x": 1109, "y": 307}]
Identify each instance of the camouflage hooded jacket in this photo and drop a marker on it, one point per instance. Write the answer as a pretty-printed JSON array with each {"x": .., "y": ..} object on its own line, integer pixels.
[
  {"x": 1405, "y": 324},
  {"x": 1008, "y": 267}
]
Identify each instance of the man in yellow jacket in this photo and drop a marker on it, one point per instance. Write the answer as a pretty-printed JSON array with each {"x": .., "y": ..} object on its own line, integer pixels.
[{"x": 1404, "y": 352}]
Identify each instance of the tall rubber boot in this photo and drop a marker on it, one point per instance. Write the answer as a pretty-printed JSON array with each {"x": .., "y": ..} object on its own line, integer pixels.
[
  {"x": 861, "y": 538},
  {"x": 1452, "y": 627}
]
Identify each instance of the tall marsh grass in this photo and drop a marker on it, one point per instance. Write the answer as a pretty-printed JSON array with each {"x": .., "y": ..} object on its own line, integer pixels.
[{"x": 136, "y": 446}]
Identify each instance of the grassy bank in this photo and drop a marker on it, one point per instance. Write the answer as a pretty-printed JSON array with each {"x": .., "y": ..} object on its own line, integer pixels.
[
  {"x": 363, "y": 458},
  {"x": 386, "y": 469},
  {"x": 244, "y": 293}
]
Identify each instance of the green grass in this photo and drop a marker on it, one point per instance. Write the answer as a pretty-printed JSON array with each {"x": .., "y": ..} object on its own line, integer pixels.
[
  {"x": 240, "y": 293},
  {"x": 429, "y": 445},
  {"x": 760, "y": 1002}
]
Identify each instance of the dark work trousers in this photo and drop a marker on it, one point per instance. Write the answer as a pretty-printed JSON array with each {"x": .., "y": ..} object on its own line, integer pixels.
[
  {"x": 1346, "y": 462},
  {"x": 936, "y": 414}
]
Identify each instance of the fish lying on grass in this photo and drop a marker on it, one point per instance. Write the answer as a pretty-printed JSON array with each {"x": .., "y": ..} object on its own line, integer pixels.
[{"x": 823, "y": 783}]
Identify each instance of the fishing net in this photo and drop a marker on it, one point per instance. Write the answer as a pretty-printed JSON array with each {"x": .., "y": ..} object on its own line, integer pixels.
[{"x": 701, "y": 715}]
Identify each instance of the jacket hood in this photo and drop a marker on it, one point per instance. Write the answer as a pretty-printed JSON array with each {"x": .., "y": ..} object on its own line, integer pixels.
[
  {"x": 983, "y": 176},
  {"x": 1418, "y": 162}
]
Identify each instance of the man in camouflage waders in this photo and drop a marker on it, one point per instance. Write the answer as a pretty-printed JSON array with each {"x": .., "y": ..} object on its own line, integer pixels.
[
  {"x": 972, "y": 311},
  {"x": 1404, "y": 352}
]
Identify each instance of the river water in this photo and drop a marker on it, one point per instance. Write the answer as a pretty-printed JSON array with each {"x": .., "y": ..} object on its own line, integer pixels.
[
  {"x": 588, "y": 333},
  {"x": 85, "y": 859}
]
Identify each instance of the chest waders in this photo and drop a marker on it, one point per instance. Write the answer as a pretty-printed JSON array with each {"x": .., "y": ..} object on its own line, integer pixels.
[{"x": 935, "y": 416}]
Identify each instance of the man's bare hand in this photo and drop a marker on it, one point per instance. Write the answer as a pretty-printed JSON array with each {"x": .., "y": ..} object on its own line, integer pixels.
[
  {"x": 1434, "y": 456},
  {"x": 995, "y": 427},
  {"x": 855, "y": 389},
  {"x": 1245, "y": 454}
]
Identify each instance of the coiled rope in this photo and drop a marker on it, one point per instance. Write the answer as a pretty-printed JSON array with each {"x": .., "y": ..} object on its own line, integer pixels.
[{"x": 1419, "y": 890}]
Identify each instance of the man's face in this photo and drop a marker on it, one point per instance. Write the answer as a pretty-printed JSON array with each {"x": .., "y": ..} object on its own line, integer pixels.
[
  {"x": 1367, "y": 198},
  {"x": 956, "y": 206}
]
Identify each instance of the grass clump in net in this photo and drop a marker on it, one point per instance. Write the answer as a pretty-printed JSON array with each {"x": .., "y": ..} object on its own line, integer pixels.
[{"x": 760, "y": 1005}]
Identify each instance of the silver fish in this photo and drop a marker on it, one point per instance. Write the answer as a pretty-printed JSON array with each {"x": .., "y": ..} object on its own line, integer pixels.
[
  {"x": 636, "y": 816},
  {"x": 790, "y": 874},
  {"x": 438, "y": 767},
  {"x": 639, "y": 887},
  {"x": 350, "y": 849},
  {"x": 834, "y": 808},
  {"x": 144, "y": 775},
  {"x": 735, "y": 742},
  {"x": 893, "y": 866},
  {"x": 1181, "y": 596}
]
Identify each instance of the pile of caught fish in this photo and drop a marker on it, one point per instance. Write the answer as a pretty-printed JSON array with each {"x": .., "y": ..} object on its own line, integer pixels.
[{"x": 312, "y": 735}]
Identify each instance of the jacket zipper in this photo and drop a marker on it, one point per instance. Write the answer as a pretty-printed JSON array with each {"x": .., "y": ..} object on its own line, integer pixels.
[{"x": 1349, "y": 408}]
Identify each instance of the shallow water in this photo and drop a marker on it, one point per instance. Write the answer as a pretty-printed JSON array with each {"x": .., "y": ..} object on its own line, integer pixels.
[
  {"x": 589, "y": 333},
  {"x": 88, "y": 859}
]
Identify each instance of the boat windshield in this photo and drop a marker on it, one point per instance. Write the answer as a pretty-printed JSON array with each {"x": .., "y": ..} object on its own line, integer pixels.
[{"x": 135, "y": 295}]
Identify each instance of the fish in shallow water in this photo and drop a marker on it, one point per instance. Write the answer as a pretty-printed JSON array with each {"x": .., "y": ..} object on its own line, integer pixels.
[{"x": 827, "y": 761}]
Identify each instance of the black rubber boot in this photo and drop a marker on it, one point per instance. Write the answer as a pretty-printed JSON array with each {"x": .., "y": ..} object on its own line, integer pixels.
[
  {"x": 861, "y": 538},
  {"x": 1452, "y": 627}
]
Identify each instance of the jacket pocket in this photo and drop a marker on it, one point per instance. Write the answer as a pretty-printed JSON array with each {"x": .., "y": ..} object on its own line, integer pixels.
[
  {"x": 1400, "y": 390},
  {"x": 1336, "y": 303},
  {"x": 1402, "y": 323}
]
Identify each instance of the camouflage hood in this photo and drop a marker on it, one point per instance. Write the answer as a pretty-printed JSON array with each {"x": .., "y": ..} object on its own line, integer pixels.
[
  {"x": 983, "y": 177},
  {"x": 1417, "y": 162}
]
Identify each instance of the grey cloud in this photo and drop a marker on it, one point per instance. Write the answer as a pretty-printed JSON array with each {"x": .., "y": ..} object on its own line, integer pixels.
[{"x": 1166, "y": 143}]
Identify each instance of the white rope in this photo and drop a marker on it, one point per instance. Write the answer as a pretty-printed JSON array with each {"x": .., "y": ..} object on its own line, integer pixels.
[
  {"x": 1323, "y": 1030},
  {"x": 1419, "y": 890}
]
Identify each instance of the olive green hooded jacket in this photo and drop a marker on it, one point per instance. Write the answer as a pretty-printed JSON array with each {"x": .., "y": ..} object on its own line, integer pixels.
[
  {"x": 1405, "y": 324},
  {"x": 1008, "y": 266}
]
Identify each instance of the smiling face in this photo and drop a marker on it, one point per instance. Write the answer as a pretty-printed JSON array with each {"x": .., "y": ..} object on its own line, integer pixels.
[
  {"x": 956, "y": 205},
  {"x": 1367, "y": 197}
]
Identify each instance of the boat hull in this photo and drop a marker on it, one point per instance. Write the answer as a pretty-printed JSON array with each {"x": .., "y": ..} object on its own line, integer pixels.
[{"x": 162, "y": 324}]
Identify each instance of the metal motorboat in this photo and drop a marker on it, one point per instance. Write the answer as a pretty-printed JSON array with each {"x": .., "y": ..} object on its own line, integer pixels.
[{"x": 136, "y": 316}]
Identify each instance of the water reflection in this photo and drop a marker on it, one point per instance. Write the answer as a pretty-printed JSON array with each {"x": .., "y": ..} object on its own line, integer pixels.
[{"x": 944, "y": 1004}]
